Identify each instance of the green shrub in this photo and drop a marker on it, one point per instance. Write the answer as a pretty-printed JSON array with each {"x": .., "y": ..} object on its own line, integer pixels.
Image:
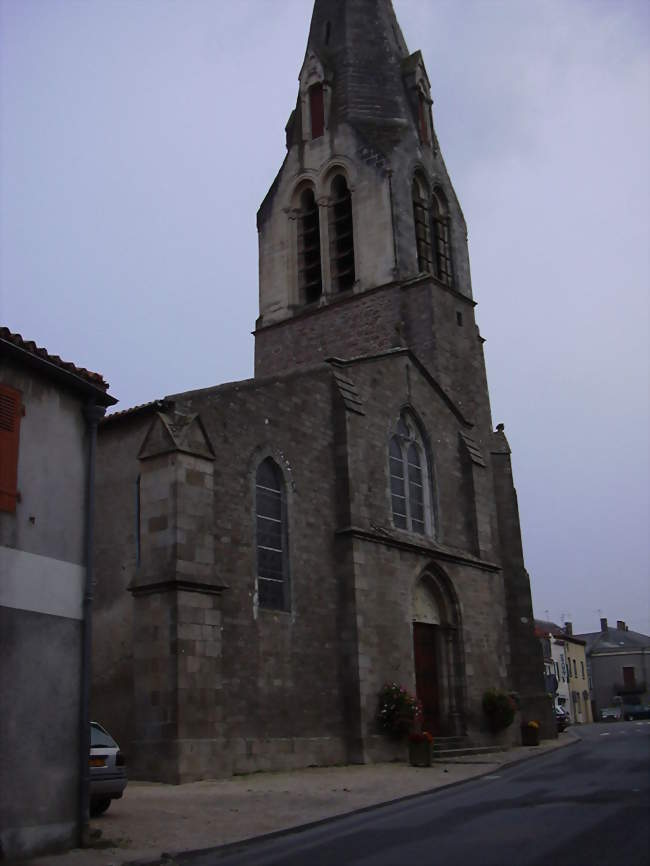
[{"x": 499, "y": 709}]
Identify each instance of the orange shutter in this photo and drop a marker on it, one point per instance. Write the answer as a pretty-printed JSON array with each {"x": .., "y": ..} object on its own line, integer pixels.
[{"x": 10, "y": 414}]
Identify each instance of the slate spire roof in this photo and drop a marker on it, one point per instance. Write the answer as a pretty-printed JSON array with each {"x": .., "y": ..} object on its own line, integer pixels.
[{"x": 362, "y": 48}]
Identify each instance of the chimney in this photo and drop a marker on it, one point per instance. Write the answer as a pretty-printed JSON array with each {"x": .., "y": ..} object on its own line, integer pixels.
[
  {"x": 568, "y": 628},
  {"x": 620, "y": 625},
  {"x": 603, "y": 623}
]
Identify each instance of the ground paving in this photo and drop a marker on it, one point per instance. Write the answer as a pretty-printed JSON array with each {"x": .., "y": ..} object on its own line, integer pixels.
[{"x": 153, "y": 820}]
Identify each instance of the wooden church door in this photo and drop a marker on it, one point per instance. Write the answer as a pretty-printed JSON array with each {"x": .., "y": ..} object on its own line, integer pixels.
[{"x": 426, "y": 674}]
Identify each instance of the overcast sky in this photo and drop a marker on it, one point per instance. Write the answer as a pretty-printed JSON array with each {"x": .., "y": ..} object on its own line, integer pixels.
[{"x": 137, "y": 140}]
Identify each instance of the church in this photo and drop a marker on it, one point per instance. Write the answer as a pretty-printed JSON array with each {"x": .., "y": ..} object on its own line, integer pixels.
[{"x": 271, "y": 552}]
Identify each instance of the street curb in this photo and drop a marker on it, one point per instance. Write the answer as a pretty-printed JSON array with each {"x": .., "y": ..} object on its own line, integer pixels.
[{"x": 170, "y": 858}]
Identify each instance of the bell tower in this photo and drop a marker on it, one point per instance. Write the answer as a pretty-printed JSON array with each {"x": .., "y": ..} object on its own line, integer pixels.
[
  {"x": 363, "y": 249},
  {"x": 362, "y": 240}
]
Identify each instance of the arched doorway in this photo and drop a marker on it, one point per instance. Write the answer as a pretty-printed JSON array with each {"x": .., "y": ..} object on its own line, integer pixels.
[{"x": 437, "y": 655}]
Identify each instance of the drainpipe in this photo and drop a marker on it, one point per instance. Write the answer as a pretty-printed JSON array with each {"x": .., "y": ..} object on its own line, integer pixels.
[{"x": 93, "y": 415}]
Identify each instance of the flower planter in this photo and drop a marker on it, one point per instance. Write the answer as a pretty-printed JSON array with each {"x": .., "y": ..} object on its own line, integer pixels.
[
  {"x": 529, "y": 736},
  {"x": 420, "y": 754}
]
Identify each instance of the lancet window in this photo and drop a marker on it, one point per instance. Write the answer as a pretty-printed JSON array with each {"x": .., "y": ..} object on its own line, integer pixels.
[
  {"x": 316, "y": 110},
  {"x": 440, "y": 225},
  {"x": 309, "y": 257},
  {"x": 272, "y": 535},
  {"x": 341, "y": 235},
  {"x": 409, "y": 478},
  {"x": 422, "y": 222}
]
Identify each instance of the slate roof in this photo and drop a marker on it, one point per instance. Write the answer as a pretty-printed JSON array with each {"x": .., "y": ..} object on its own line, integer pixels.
[
  {"x": 362, "y": 49},
  {"x": 15, "y": 345},
  {"x": 613, "y": 640}
]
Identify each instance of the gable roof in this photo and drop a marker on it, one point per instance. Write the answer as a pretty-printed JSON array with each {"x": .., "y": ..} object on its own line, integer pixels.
[{"x": 391, "y": 353}]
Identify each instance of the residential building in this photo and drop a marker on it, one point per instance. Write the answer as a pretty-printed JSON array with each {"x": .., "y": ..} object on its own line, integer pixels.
[
  {"x": 565, "y": 652},
  {"x": 618, "y": 661},
  {"x": 49, "y": 410}
]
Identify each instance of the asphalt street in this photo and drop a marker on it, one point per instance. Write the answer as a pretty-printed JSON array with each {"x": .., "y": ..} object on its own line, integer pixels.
[{"x": 586, "y": 805}]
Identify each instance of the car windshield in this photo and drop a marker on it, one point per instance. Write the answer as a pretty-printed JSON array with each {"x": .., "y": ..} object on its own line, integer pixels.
[{"x": 99, "y": 737}]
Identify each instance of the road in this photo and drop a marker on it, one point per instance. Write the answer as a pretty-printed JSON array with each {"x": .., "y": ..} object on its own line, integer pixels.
[{"x": 585, "y": 805}]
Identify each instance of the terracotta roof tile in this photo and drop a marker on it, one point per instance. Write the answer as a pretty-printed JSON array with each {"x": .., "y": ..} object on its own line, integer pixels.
[{"x": 30, "y": 346}]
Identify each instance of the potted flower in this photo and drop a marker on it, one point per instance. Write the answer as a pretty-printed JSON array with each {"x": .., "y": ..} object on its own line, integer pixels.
[
  {"x": 420, "y": 748},
  {"x": 530, "y": 733},
  {"x": 399, "y": 712}
]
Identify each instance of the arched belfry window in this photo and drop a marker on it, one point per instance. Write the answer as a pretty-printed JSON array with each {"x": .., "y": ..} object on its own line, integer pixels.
[
  {"x": 440, "y": 225},
  {"x": 341, "y": 235},
  {"x": 271, "y": 519},
  {"x": 409, "y": 478},
  {"x": 309, "y": 259},
  {"x": 422, "y": 222}
]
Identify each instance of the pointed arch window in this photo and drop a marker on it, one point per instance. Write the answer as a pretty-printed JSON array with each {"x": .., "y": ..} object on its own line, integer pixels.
[
  {"x": 309, "y": 257},
  {"x": 409, "y": 479},
  {"x": 341, "y": 235},
  {"x": 440, "y": 225},
  {"x": 422, "y": 225},
  {"x": 316, "y": 110},
  {"x": 423, "y": 118},
  {"x": 271, "y": 529}
]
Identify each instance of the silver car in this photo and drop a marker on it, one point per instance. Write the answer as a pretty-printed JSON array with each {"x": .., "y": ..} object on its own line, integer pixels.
[{"x": 107, "y": 770}]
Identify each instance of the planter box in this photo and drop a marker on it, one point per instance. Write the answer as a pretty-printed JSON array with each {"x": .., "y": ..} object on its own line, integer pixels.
[
  {"x": 529, "y": 736},
  {"x": 420, "y": 754}
]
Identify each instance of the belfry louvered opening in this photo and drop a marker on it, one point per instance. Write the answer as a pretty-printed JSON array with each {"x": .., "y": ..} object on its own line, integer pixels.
[
  {"x": 309, "y": 258},
  {"x": 440, "y": 223},
  {"x": 341, "y": 235},
  {"x": 422, "y": 226}
]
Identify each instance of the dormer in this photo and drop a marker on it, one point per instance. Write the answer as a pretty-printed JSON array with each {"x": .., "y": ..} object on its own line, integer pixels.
[
  {"x": 418, "y": 88},
  {"x": 315, "y": 98}
]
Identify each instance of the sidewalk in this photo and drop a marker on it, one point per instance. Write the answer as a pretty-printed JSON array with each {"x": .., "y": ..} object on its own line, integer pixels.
[{"x": 153, "y": 818}]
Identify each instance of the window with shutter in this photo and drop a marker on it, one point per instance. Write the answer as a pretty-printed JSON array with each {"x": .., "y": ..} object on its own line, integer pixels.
[{"x": 10, "y": 414}]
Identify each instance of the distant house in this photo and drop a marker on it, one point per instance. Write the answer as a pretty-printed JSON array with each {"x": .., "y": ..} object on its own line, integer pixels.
[
  {"x": 49, "y": 410},
  {"x": 566, "y": 653},
  {"x": 618, "y": 663}
]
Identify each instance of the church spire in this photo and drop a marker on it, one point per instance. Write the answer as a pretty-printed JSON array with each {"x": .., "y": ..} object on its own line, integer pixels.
[
  {"x": 363, "y": 53},
  {"x": 362, "y": 208}
]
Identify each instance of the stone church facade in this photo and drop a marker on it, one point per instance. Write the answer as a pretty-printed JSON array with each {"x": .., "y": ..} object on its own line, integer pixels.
[{"x": 270, "y": 552}]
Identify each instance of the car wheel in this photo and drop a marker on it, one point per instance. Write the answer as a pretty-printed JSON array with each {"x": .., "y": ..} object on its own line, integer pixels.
[{"x": 99, "y": 806}]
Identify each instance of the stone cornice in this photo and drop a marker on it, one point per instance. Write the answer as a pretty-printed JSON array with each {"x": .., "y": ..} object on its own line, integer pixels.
[{"x": 433, "y": 551}]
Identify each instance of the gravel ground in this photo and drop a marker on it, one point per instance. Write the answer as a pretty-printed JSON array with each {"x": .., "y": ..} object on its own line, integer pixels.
[{"x": 153, "y": 818}]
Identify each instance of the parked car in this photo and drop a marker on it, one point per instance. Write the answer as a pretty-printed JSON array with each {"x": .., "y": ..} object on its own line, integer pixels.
[
  {"x": 611, "y": 714},
  {"x": 635, "y": 711},
  {"x": 107, "y": 770},
  {"x": 562, "y": 719}
]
